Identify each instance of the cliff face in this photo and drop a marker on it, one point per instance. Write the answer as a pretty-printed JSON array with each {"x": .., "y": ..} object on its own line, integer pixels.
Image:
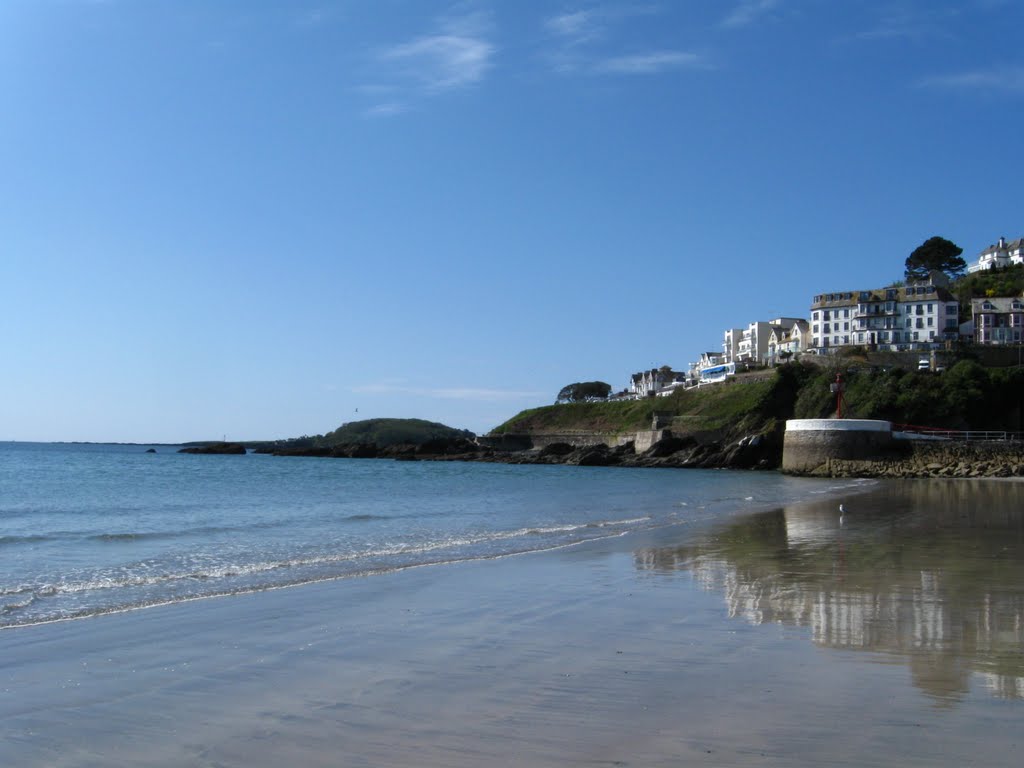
[{"x": 737, "y": 424}]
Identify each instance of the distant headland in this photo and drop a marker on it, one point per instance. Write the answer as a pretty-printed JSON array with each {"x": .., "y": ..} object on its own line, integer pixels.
[{"x": 738, "y": 424}]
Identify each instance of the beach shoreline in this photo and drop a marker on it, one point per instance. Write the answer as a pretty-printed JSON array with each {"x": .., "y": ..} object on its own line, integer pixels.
[{"x": 617, "y": 649}]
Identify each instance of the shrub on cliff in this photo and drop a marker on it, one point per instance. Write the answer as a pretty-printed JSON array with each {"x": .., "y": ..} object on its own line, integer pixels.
[{"x": 582, "y": 391}]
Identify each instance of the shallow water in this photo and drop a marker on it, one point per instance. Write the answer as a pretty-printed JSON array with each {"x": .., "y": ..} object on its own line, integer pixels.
[
  {"x": 776, "y": 636},
  {"x": 924, "y": 573},
  {"x": 89, "y": 529}
]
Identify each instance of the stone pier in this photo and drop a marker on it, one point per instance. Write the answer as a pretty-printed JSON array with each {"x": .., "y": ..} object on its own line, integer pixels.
[{"x": 811, "y": 443}]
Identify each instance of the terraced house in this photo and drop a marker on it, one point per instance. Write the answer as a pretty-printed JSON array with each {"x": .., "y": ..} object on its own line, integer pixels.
[
  {"x": 998, "y": 320},
  {"x": 917, "y": 316}
]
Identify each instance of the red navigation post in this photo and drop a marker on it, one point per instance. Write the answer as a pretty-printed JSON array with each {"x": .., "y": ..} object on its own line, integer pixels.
[{"x": 837, "y": 387}]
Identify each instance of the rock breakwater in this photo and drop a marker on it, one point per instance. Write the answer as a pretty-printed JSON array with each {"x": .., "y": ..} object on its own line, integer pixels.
[{"x": 934, "y": 459}]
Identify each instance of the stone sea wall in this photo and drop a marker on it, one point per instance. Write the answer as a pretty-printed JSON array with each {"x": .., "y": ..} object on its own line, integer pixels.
[{"x": 920, "y": 458}]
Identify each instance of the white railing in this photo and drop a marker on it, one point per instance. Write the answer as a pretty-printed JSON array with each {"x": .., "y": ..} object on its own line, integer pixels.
[{"x": 960, "y": 435}]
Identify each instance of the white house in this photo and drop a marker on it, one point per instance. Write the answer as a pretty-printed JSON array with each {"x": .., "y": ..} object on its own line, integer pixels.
[
  {"x": 647, "y": 383},
  {"x": 751, "y": 344},
  {"x": 920, "y": 315},
  {"x": 1002, "y": 254},
  {"x": 707, "y": 360},
  {"x": 784, "y": 342}
]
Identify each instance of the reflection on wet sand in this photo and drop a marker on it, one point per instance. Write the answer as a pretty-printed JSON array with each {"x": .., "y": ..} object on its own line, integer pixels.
[{"x": 931, "y": 572}]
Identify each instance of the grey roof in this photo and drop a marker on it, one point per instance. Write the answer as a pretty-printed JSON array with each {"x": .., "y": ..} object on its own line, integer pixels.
[
  {"x": 999, "y": 304},
  {"x": 902, "y": 293},
  {"x": 1011, "y": 245}
]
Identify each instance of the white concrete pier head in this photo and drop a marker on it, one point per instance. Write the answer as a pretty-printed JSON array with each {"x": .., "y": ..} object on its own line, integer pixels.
[{"x": 809, "y": 443}]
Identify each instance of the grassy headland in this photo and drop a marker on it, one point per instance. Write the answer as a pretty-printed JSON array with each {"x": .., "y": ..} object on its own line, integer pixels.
[
  {"x": 382, "y": 433},
  {"x": 748, "y": 403},
  {"x": 967, "y": 396}
]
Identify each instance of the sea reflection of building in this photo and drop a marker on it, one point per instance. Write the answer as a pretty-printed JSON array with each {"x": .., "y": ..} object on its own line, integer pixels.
[{"x": 945, "y": 591}]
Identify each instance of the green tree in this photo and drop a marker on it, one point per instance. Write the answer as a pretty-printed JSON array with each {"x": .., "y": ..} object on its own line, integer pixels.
[
  {"x": 584, "y": 390},
  {"x": 935, "y": 253}
]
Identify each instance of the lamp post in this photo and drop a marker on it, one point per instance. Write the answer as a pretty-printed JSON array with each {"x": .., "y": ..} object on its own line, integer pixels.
[{"x": 837, "y": 387}]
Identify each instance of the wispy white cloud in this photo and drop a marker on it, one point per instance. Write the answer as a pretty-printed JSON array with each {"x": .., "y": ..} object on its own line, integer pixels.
[
  {"x": 457, "y": 54},
  {"x": 911, "y": 22},
  {"x": 583, "y": 41},
  {"x": 649, "y": 63},
  {"x": 448, "y": 393},
  {"x": 575, "y": 28},
  {"x": 444, "y": 61},
  {"x": 387, "y": 109},
  {"x": 749, "y": 11},
  {"x": 1010, "y": 79}
]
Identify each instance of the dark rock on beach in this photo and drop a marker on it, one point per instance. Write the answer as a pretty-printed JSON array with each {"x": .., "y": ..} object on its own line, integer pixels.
[{"x": 215, "y": 448}]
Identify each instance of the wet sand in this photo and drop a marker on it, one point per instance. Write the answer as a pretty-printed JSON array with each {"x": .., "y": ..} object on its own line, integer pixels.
[{"x": 779, "y": 638}]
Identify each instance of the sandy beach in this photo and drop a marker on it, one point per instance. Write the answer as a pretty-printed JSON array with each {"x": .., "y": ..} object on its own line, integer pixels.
[{"x": 780, "y": 638}]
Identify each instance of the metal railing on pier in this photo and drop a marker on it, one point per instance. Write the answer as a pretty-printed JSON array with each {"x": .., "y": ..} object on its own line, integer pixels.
[{"x": 959, "y": 435}]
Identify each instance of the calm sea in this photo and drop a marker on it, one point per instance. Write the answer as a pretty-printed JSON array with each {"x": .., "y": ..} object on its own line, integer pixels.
[{"x": 89, "y": 529}]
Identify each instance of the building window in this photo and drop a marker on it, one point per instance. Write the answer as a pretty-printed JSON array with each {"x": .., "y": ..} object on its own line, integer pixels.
[{"x": 931, "y": 321}]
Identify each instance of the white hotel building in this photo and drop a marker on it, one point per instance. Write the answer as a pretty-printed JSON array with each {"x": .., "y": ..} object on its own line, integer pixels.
[{"x": 918, "y": 316}]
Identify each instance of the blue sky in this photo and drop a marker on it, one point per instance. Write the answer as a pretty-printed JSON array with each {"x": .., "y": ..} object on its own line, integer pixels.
[{"x": 254, "y": 218}]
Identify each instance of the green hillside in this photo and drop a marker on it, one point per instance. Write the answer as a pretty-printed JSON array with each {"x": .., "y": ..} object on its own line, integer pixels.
[
  {"x": 383, "y": 433},
  {"x": 387, "y": 432},
  {"x": 967, "y": 396},
  {"x": 750, "y": 403},
  {"x": 1008, "y": 281}
]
